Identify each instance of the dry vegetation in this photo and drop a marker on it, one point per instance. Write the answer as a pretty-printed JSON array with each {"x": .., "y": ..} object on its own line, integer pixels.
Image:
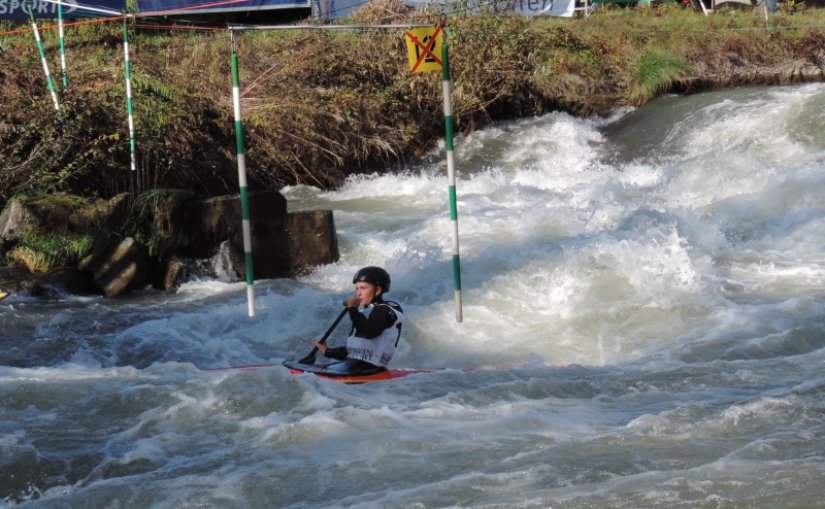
[{"x": 320, "y": 105}]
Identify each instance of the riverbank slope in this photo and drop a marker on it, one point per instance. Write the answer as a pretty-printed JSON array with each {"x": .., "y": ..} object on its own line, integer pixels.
[{"x": 320, "y": 105}]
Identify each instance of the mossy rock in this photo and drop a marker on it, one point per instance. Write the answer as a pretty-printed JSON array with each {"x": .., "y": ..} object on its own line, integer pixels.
[{"x": 48, "y": 231}]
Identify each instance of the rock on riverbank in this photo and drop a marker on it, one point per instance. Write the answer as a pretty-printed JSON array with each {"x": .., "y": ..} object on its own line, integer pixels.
[{"x": 185, "y": 231}]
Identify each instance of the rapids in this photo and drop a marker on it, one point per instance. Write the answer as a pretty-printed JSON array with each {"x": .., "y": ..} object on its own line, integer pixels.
[{"x": 644, "y": 327}]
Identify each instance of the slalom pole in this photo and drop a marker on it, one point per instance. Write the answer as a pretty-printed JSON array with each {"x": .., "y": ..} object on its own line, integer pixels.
[
  {"x": 448, "y": 128},
  {"x": 247, "y": 233},
  {"x": 64, "y": 74},
  {"x": 127, "y": 69},
  {"x": 42, "y": 52}
]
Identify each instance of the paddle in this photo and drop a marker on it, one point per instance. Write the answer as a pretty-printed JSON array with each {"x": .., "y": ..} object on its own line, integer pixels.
[{"x": 310, "y": 359}]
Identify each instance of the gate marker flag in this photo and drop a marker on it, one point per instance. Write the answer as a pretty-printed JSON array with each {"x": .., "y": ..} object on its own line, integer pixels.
[{"x": 424, "y": 48}]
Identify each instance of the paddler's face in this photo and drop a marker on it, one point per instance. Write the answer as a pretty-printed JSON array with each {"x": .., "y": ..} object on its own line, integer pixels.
[{"x": 366, "y": 292}]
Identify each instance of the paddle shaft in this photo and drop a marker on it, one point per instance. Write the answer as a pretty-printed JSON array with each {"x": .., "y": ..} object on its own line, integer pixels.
[{"x": 310, "y": 359}]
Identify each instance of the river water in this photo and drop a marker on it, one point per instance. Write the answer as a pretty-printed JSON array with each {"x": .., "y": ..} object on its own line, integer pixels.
[{"x": 644, "y": 327}]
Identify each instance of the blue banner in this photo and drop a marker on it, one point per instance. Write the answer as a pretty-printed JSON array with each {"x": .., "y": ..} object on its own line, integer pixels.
[
  {"x": 19, "y": 9},
  {"x": 202, "y": 6}
]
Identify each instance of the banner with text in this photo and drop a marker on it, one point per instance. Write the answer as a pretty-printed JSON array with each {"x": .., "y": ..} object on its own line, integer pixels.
[
  {"x": 332, "y": 9},
  {"x": 19, "y": 9},
  {"x": 188, "y": 6}
]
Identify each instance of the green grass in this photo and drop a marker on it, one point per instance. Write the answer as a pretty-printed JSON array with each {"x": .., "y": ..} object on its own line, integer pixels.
[
  {"x": 149, "y": 220},
  {"x": 656, "y": 72},
  {"x": 42, "y": 252}
]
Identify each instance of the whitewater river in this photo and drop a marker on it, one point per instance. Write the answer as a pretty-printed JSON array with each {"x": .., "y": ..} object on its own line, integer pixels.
[{"x": 644, "y": 316}]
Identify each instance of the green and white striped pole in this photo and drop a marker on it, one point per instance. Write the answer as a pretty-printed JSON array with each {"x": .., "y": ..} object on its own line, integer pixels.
[
  {"x": 42, "y": 52},
  {"x": 127, "y": 66},
  {"x": 247, "y": 233},
  {"x": 448, "y": 128},
  {"x": 64, "y": 74}
]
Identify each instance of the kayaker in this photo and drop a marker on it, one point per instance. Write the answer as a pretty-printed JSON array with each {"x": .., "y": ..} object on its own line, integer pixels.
[{"x": 376, "y": 325}]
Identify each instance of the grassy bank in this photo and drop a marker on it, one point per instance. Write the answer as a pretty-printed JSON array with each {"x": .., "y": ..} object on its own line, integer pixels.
[{"x": 321, "y": 105}]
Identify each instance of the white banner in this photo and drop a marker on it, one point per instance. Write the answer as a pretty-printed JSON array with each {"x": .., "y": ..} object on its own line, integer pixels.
[
  {"x": 331, "y": 9},
  {"x": 562, "y": 8}
]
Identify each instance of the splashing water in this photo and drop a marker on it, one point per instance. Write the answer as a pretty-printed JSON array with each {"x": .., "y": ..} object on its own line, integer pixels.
[{"x": 643, "y": 311}]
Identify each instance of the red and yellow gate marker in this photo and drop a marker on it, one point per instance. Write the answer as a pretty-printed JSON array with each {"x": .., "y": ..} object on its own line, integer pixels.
[{"x": 424, "y": 48}]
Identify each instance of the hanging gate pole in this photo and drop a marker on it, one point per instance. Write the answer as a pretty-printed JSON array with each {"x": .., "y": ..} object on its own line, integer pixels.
[
  {"x": 448, "y": 128},
  {"x": 127, "y": 69},
  {"x": 247, "y": 233},
  {"x": 64, "y": 73},
  {"x": 42, "y": 52},
  {"x": 424, "y": 56}
]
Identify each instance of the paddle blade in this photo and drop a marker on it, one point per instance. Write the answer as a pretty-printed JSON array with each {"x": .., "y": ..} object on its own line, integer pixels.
[{"x": 309, "y": 359}]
